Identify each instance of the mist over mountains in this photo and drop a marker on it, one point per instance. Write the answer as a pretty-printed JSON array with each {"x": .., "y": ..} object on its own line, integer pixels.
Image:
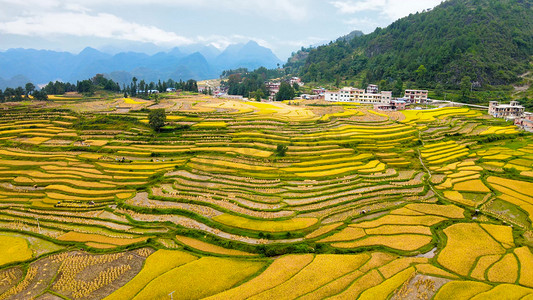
[{"x": 199, "y": 62}]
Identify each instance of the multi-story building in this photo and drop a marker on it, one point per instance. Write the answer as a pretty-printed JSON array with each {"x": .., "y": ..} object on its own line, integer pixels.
[
  {"x": 526, "y": 122},
  {"x": 512, "y": 110},
  {"x": 372, "y": 89},
  {"x": 349, "y": 94},
  {"x": 416, "y": 96},
  {"x": 273, "y": 88}
]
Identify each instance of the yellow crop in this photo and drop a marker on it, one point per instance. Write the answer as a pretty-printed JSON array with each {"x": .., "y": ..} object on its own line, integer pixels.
[
  {"x": 97, "y": 238},
  {"x": 322, "y": 270},
  {"x": 211, "y": 125},
  {"x": 471, "y": 186},
  {"x": 206, "y": 247},
  {"x": 428, "y": 269},
  {"x": 68, "y": 189},
  {"x": 336, "y": 286},
  {"x": 405, "y": 242},
  {"x": 318, "y": 167},
  {"x": 347, "y": 234},
  {"x": 323, "y": 230},
  {"x": 400, "y": 264},
  {"x": 265, "y": 225},
  {"x": 457, "y": 197},
  {"x": 155, "y": 265},
  {"x": 281, "y": 270},
  {"x": 466, "y": 242},
  {"x": 79, "y": 183},
  {"x": 461, "y": 290},
  {"x": 522, "y": 187},
  {"x": 398, "y": 229},
  {"x": 138, "y": 166},
  {"x": 500, "y": 130},
  {"x": 60, "y": 196},
  {"x": 372, "y": 164},
  {"x": 200, "y": 278},
  {"x": 525, "y": 258},
  {"x": 448, "y": 211},
  {"x": 452, "y": 157},
  {"x": 377, "y": 259},
  {"x": 13, "y": 249},
  {"x": 131, "y": 101},
  {"x": 401, "y": 220},
  {"x": 482, "y": 265},
  {"x": 503, "y": 234},
  {"x": 366, "y": 281},
  {"x": 506, "y": 291},
  {"x": 387, "y": 287},
  {"x": 505, "y": 270},
  {"x": 221, "y": 163}
]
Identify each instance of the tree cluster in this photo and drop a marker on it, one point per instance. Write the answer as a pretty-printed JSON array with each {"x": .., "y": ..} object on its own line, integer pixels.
[
  {"x": 143, "y": 89},
  {"x": 249, "y": 84}
]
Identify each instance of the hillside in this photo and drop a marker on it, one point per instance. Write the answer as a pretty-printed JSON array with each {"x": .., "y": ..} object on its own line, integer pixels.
[
  {"x": 236, "y": 199},
  {"x": 487, "y": 40}
]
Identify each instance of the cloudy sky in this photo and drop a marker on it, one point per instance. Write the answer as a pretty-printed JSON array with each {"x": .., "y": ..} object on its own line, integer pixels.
[{"x": 282, "y": 25}]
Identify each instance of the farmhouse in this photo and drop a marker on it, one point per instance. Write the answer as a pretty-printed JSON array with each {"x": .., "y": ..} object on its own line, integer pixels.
[
  {"x": 416, "y": 96},
  {"x": 511, "y": 111},
  {"x": 526, "y": 122}
]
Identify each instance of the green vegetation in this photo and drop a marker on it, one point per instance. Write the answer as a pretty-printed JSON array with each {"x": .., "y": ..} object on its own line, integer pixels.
[
  {"x": 480, "y": 45},
  {"x": 156, "y": 118}
]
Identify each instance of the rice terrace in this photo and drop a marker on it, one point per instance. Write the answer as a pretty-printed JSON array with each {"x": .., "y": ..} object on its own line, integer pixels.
[{"x": 237, "y": 199}]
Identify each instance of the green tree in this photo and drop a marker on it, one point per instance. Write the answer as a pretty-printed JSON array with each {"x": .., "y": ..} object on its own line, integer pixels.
[
  {"x": 40, "y": 95},
  {"x": 258, "y": 95},
  {"x": 19, "y": 92},
  {"x": 439, "y": 90},
  {"x": 286, "y": 92},
  {"x": 296, "y": 87},
  {"x": 281, "y": 150},
  {"x": 421, "y": 75},
  {"x": 29, "y": 89},
  {"x": 465, "y": 86},
  {"x": 397, "y": 90},
  {"x": 157, "y": 118},
  {"x": 134, "y": 87}
]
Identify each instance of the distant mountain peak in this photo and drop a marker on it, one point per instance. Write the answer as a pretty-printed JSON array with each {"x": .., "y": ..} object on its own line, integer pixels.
[{"x": 195, "y": 61}]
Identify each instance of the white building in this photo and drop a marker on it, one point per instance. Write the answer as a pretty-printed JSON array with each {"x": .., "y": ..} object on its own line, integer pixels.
[
  {"x": 511, "y": 111},
  {"x": 372, "y": 89},
  {"x": 349, "y": 94},
  {"x": 416, "y": 96}
]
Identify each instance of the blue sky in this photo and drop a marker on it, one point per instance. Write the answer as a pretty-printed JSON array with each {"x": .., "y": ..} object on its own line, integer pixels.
[{"x": 282, "y": 25}]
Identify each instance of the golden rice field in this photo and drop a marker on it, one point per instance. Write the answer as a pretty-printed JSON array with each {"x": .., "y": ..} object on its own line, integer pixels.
[{"x": 252, "y": 200}]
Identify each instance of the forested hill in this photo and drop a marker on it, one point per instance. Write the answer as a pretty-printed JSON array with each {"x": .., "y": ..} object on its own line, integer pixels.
[{"x": 490, "y": 41}]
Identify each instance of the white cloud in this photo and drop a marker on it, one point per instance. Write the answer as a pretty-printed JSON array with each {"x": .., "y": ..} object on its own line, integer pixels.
[
  {"x": 389, "y": 9},
  {"x": 295, "y": 10},
  {"x": 351, "y": 7},
  {"x": 100, "y": 25}
]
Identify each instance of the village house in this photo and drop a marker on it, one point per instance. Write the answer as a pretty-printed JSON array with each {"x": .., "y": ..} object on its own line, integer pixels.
[
  {"x": 273, "y": 88},
  {"x": 296, "y": 80},
  {"x": 416, "y": 96},
  {"x": 509, "y": 111},
  {"x": 526, "y": 122}
]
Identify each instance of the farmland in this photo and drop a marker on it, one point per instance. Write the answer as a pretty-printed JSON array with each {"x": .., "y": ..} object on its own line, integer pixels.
[{"x": 235, "y": 200}]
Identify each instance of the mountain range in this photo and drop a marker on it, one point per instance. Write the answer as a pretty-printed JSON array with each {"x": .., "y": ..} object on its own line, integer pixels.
[{"x": 199, "y": 62}]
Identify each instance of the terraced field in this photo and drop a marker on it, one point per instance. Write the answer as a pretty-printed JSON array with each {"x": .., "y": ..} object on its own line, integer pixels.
[{"x": 238, "y": 200}]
